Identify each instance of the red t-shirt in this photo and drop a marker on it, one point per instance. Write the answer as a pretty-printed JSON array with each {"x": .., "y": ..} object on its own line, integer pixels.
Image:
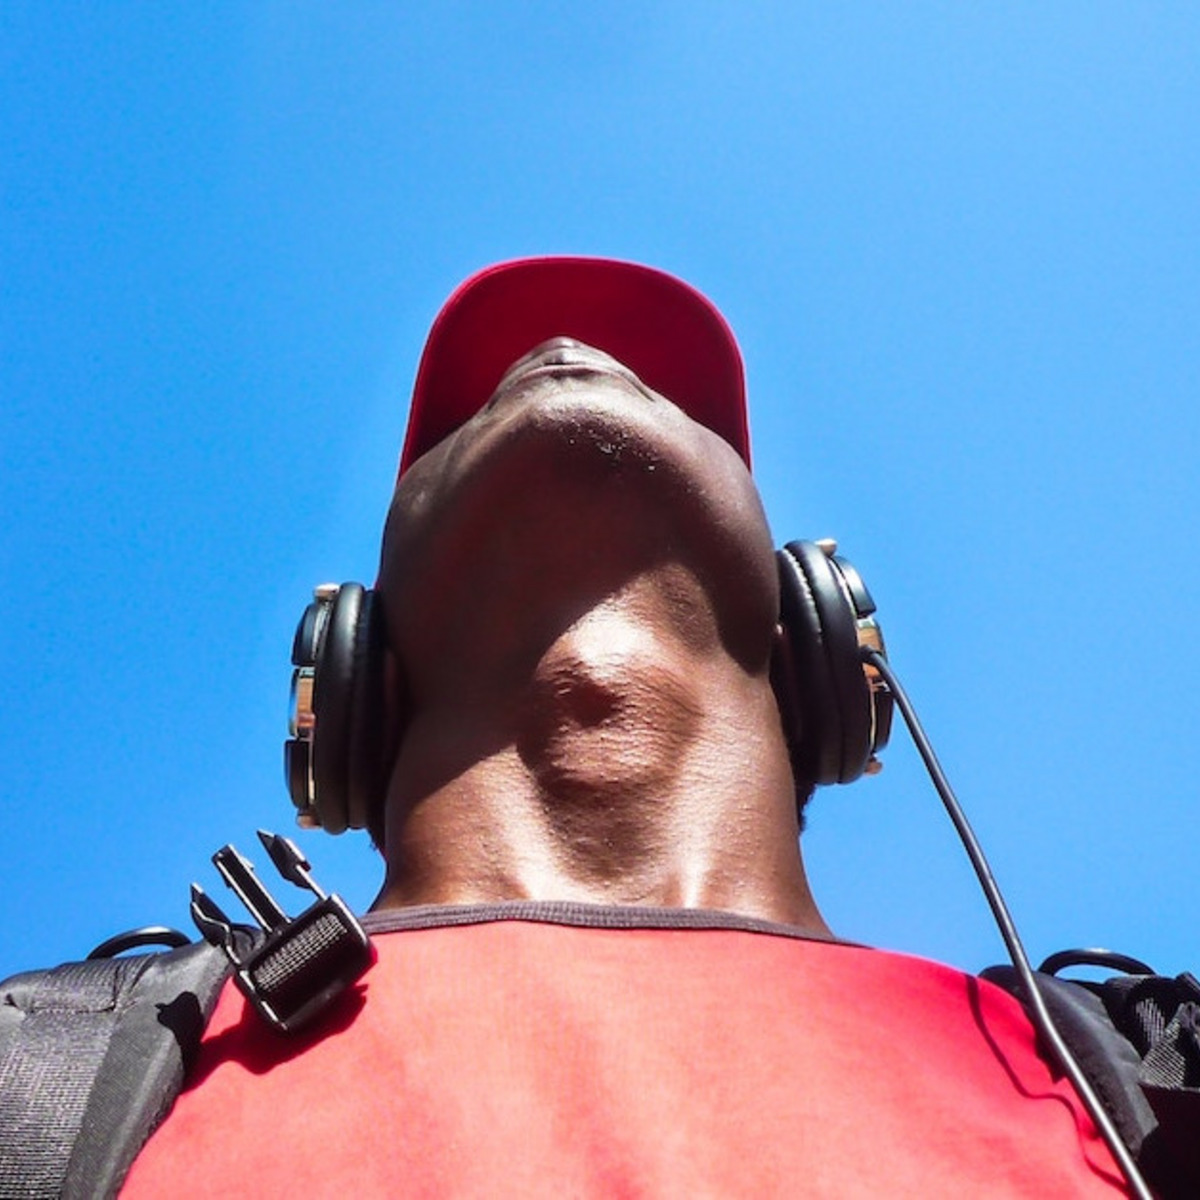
[{"x": 563, "y": 1050}]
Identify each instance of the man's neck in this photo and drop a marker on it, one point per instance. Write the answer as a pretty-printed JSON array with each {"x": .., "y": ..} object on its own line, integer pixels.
[{"x": 625, "y": 768}]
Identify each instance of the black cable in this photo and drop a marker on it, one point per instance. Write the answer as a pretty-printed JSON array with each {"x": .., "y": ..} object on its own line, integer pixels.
[{"x": 1042, "y": 1020}]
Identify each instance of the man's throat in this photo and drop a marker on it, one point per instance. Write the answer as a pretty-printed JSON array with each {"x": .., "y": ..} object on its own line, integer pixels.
[{"x": 605, "y": 730}]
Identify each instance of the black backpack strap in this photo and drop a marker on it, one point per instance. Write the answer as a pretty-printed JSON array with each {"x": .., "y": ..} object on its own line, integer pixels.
[
  {"x": 1156, "y": 1119},
  {"x": 1107, "y": 1058},
  {"x": 92, "y": 1056},
  {"x": 1161, "y": 1018}
]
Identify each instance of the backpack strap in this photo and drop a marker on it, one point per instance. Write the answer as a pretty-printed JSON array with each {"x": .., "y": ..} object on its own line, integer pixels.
[
  {"x": 92, "y": 1056},
  {"x": 1161, "y": 1018},
  {"x": 1156, "y": 1112}
]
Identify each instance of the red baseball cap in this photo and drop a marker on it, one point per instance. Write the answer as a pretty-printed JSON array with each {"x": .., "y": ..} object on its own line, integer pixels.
[{"x": 665, "y": 331}]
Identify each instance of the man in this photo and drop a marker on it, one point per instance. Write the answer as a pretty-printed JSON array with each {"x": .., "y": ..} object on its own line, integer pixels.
[{"x": 601, "y": 970}]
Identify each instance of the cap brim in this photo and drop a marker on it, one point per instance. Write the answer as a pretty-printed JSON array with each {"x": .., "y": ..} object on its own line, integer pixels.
[{"x": 665, "y": 331}]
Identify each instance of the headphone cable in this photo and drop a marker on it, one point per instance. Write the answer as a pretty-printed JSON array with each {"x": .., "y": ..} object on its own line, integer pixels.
[{"x": 1042, "y": 1020}]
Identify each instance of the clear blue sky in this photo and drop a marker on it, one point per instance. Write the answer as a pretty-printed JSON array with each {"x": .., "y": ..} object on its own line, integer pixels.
[{"x": 959, "y": 245}]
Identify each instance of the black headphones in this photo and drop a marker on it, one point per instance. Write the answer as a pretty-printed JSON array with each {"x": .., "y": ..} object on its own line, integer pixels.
[{"x": 836, "y": 710}]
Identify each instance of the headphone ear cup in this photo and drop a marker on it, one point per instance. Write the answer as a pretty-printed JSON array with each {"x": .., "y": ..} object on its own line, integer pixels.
[
  {"x": 804, "y": 685},
  {"x": 333, "y": 708},
  {"x": 334, "y": 763},
  {"x": 827, "y": 695},
  {"x": 365, "y": 782},
  {"x": 347, "y": 704}
]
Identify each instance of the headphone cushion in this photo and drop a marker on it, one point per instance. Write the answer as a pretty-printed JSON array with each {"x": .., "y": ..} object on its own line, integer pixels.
[
  {"x": 333, "y": 708},
  {"x": 364, "y": 781},
  {"x": 815, "y": 735},
  {"x": 833, "y": 696}
]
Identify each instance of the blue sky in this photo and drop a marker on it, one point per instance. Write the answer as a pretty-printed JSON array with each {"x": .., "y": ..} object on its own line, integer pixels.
[{"x": 958, "y": 244}]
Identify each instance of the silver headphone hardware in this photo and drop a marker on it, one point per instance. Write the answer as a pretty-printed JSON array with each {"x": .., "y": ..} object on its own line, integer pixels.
[
  {"x": 867, "y": 632},
  {"x": 302, "y": 719},
  {"x": 300, "y": 712}
]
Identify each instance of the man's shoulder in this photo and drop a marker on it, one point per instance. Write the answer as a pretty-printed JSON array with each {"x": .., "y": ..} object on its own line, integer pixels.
[{"x": 617, "y": 1045}]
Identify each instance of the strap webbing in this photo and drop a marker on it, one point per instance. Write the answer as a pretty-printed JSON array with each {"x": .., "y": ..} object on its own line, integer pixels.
[
  {"x": 92, "y": 1055},
  {"x": 1138, "y": 1040}
]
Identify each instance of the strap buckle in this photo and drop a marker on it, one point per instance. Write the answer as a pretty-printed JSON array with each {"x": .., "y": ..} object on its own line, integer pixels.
[{"x": 296, "y": 967}]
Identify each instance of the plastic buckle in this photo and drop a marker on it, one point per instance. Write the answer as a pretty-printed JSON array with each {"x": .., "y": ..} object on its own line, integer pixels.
[{"x": 303, "y": 963}]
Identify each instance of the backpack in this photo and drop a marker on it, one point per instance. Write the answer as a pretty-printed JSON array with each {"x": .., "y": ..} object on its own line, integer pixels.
[
  {"x": 93, "y": 1053},
  {"x": 92, "y": 1056},
  {"x": 1137, "y": 1037}
]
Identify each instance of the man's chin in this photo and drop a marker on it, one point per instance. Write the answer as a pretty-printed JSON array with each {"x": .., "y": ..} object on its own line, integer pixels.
[{"x": 583, "y": 484}]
